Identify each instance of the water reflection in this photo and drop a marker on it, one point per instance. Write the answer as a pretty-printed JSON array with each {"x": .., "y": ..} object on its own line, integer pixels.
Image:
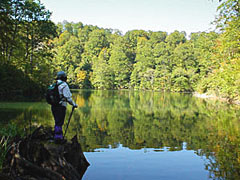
[{"x": 139, "y": 120}]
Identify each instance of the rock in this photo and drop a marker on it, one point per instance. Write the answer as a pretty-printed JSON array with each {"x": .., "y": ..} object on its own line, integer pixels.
[
  {"x": 38, "y": 157},
  {"x": 5, "y": 177}
]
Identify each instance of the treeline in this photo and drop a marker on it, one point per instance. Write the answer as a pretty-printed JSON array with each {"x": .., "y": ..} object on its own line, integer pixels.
[
  {"x": 101, "y": 58},
  {"x": 106, "y": 59}
]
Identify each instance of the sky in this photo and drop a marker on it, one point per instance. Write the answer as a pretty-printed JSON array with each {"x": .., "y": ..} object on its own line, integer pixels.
[{"x": 124, "y": 15}]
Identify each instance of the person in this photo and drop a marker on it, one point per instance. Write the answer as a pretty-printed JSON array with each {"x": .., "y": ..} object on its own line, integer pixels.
[{"x": 59, "y": 111}]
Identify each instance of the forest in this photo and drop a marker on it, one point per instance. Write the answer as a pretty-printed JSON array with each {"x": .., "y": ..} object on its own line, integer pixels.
[{"x": 33, "y": 49}]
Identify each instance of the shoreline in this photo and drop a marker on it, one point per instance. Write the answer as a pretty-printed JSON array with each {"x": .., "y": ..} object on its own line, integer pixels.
[{"x": 214, "y": 97}]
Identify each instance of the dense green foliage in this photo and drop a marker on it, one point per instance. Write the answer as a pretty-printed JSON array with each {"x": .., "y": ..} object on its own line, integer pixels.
[
  {"x": 100, "y": 58},
  {"x": 223, "y": 80},
  {"x": 25, "y": 57},
  {"x": 105, "y": 59}
]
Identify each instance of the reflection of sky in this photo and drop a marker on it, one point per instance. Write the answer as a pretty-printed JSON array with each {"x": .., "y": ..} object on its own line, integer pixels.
[{"x": 145, "y": 164}]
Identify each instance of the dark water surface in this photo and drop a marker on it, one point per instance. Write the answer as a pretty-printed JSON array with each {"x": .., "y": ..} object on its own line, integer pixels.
[{"x": 130, "y": 135}]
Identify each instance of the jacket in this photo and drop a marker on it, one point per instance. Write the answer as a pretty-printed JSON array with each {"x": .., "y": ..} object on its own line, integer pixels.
[{"x": 65, "y": 94}]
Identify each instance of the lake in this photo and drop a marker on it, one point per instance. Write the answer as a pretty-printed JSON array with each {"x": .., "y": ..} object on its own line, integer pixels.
[{"x": 141, "y": 135}]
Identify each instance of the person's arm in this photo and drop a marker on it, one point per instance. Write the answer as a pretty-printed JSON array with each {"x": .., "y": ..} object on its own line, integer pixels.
[{"x": 68, "y": 95}]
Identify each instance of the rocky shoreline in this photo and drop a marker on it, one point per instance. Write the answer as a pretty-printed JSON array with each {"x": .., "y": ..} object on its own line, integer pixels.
[
  {"x": 214, "y": 97},
  {"x": 37, "y": 157}
]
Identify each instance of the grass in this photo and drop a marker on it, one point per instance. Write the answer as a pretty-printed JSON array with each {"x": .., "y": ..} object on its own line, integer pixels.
[
  {"x": 6, "y": 133},
  {"x": 4, "y": 148}
]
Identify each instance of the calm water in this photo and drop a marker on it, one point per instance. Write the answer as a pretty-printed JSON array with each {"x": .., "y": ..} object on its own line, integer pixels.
[{"x": 145, "y": 135}]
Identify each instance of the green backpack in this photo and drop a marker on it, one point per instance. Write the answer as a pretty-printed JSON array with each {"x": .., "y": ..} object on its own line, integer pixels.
[{"x": 52, "y": 95}]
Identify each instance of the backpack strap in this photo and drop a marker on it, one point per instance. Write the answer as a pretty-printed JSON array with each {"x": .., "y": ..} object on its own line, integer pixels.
[{"x": 58, "y": 84}]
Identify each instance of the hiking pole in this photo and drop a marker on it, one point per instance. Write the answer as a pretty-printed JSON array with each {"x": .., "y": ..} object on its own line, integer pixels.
[{"x": 68, "y": 121}]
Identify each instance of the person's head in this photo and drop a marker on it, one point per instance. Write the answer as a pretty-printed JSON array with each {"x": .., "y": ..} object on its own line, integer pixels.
[{"x": 62, "y": 76}]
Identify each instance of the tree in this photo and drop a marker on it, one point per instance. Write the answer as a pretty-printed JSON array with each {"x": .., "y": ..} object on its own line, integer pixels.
[
  {"x": 120, "y": 64},
  {"x": 162, "y": 57},
  {"x": 131, "y": 38},
  {"x": 25, "y": 41},
  {"x": 101, "y": 77},
  {"x": 68, "y": 58},
  {"x": 203, "y": 47},
  {"x": 96, "y": 42},
  {"x": 184, "y": 74},
  {"x": 223, "y": 81}
]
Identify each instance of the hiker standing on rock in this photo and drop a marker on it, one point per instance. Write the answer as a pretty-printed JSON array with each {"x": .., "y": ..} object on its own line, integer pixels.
[{"x": 59, "y": 110}]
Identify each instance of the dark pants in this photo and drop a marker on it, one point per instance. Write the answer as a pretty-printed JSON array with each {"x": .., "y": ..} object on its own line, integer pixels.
[{"x": 59, "y": 113}]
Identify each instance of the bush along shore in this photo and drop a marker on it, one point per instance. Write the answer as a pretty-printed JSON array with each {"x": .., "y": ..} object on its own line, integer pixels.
[{"x": 37, "y": 157}]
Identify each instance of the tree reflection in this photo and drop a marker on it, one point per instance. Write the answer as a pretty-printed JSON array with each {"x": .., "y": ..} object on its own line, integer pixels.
[{"x": 149, "y": 120}]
